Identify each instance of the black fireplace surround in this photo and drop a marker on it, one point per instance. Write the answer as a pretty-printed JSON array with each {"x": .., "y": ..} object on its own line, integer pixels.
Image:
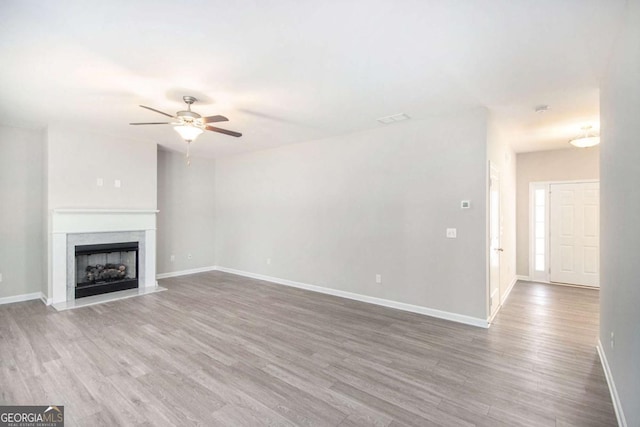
[{"x": 105, "y": 268}]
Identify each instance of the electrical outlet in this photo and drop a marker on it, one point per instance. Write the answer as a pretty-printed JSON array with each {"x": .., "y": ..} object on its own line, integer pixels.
[
  {"x": 269, "y": 261},
  {"x": 173, "y": 258},
  {"x": 189, "y": 256},
  {"x": 452, "y": 233},
  {"x": 117, "y": 183},
  {"x": 378, "y": 278},
  {"x": 99, "y": 182},
  {"x": 613, "y": 340}
]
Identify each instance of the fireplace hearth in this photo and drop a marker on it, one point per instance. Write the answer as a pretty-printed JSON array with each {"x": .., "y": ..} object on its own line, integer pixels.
[{"x": 105, "y": 268}]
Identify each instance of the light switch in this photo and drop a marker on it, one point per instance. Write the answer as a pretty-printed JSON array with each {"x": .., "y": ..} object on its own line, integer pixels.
[
  {"x": 99, "y": 182},
  {"x": 117, "y": 183},
  {"x": 452, "y": 233}
]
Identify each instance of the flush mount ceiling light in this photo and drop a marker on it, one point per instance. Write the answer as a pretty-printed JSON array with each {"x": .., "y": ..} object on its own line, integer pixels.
[
  {"x": 589, "y": 139},
  {"x": 190, "y": 124}
]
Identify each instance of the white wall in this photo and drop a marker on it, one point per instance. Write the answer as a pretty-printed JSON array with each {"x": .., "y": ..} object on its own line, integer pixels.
[
  {"x": 76, "y": 159},
  {"x": 186, "y": 218},
  {"x": 570, "y": 164},
  {"x": 338, "y": 211},
  {"x": 501, "y": 155},
  {"x": 21, "y": 199},
  {"x": 620, "y": 207}
]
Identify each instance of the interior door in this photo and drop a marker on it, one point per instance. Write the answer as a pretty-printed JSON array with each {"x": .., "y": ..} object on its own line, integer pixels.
[
  {"x": 574, "y": 233},
  {"x": 494, "y": 240}
]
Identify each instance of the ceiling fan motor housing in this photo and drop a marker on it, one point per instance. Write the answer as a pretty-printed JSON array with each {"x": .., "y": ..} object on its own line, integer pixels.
[{"x": 189, "y": 114}]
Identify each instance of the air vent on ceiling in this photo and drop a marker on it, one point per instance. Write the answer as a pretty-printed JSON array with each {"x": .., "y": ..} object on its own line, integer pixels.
[{"x": 395, "y": 118}]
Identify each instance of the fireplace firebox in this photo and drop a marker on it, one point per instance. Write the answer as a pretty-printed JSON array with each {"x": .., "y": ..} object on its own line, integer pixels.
[{"x": 105, "y": 268}]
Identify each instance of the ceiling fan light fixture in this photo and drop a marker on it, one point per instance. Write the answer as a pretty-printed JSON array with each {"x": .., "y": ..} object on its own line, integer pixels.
[
  {"x": 587, "y": 140},
  {"x": 188, "y": 131}
]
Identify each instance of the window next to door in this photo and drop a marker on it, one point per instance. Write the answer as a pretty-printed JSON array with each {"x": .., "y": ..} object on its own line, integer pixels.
[
  {"x": 538, "y": 257},
  {"x": 539, "y": 226}
]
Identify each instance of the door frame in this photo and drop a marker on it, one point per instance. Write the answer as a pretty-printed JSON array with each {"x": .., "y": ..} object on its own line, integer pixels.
[
  {"x": 494, "y": 171},
  {"x": 543, "y": 276}
]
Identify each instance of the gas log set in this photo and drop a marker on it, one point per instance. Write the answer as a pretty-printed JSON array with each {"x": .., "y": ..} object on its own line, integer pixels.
[{"x": 105, "y": 273}]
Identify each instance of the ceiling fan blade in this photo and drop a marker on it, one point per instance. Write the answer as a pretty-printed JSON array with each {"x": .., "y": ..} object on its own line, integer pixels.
[
  {"x": 151, "y": 123},
  {"x": 214, "y": 119},
  {"x": 226, "y": 132},
  {"x": 157, "y": 111}
]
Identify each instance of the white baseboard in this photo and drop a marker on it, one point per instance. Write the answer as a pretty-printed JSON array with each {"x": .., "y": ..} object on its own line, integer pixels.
[
  {"x": 617, "y": 405},
  {"x": 184, "y": 272},
  {"x": 45, "y": 300},
  {"x": 525, "y": 278},
  {"x": 460, "y": 318},
  {"x": 20, "y": 298}
]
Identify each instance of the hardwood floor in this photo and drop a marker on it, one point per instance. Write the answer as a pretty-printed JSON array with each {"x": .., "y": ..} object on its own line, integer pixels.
[{"x": 219, "y": 349}]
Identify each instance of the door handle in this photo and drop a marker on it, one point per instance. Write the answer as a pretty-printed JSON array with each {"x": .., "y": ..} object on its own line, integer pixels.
[{"x": 499, "y": 249}]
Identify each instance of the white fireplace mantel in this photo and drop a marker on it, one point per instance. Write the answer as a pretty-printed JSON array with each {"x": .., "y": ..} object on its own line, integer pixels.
[
  {"x": 65, "y": 222},
  {"x": 101, "y": 220},
  {"x": 76, "y": 210}
]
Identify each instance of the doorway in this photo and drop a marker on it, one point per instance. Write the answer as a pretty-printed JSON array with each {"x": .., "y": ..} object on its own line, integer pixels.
[
  {"x": 564, "y": 233},
  {"x": 574, "y": 237}
]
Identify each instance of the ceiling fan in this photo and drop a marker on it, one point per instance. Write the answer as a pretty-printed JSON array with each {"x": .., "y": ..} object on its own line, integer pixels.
[{"x": 190, "y": 124}]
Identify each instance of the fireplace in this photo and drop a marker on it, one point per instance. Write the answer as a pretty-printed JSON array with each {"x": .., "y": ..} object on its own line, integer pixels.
[
  {"x": 87, "y": 230},
  {"x": 104, "y": 268}
]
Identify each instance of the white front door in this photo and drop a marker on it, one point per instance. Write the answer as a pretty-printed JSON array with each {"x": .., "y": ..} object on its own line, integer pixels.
[
  {"x": 574, "y": 233},
  {"x": 494, "y": 240}
]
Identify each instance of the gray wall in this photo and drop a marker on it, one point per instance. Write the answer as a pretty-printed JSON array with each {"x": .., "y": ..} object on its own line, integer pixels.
[
  {"x": 338, "y": 211},
  {"x": 77, "y": 158},
  {"x": 557, "y": 165},
  {"x": 620, "y": 207},
  {"x": 186, "y": 218},
  {"x": 21, "y": 209}
]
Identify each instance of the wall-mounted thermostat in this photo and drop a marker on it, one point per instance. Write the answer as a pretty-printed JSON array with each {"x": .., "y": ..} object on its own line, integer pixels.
[{"x": 465, "y": 204}]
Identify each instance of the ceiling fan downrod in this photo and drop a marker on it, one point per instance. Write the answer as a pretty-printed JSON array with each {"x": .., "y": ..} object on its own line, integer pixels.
[{"x": 189, "y": 100}]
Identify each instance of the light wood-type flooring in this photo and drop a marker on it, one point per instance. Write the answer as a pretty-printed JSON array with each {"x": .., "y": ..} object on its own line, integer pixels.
[{"x": 219, "y": 349}]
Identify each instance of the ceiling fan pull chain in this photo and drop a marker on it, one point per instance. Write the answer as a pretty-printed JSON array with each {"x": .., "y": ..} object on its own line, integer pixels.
[{"x": 188, "y": 153}]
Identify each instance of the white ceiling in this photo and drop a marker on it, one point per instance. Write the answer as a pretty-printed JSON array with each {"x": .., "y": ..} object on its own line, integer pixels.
[{"x": 290, "y": 71}]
